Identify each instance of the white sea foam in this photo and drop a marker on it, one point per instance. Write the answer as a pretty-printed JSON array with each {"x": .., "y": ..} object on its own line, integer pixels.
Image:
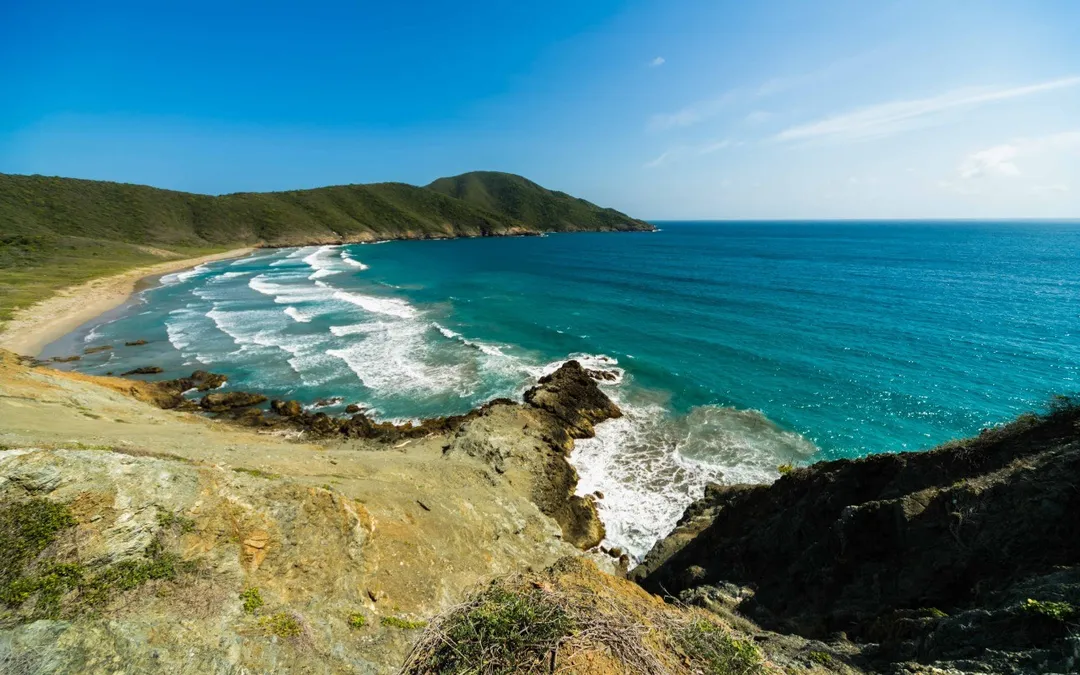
[
  {"x": 266, "y": 329},
  {"x": 597, "y": 362},
  {"x": 297, "y": 315},
  {"x": 180, "y": 277},
  {"x": 393, "y": 359},
  {"x": 321, "y": 264},
  {"x": 352, "y": 262},
  {"x": 650, "y": 466},
  {"x": 233, "y": 275},
  {"x": 293, "y": 258},
  {"x": 376, "y": 305},
  {"x": 489, "y": 349}
]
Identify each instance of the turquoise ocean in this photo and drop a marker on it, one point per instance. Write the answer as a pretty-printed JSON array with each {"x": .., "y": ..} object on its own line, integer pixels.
[{"x": 735, "y": 347}]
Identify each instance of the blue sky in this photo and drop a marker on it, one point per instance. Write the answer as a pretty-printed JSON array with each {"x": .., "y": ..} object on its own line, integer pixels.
[{"x": 676, "y": 109}]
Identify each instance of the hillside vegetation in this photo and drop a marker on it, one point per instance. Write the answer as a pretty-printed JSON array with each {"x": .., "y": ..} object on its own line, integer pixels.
[
  {"x": 537, "y": 207},
  {"x": 60, "y": 231}
]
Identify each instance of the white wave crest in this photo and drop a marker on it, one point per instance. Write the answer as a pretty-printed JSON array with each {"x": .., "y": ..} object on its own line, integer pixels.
[
  {"x": 320, "y": 263},
  {"x": 352, "y": 262},
  {"x": 376, "y": 305},
  {"x": 297, "y": 315}
]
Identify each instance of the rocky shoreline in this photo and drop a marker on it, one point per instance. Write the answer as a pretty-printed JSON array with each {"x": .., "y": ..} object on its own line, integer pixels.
[
  {"x": 215, "y": 531},
  {"x": 964, "y": 558}
]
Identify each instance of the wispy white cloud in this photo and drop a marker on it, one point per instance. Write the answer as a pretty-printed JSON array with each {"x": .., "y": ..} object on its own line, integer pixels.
[
  {"x": 659, "y": 161},
  {"x": 680, "y": 152},
  {"x": 693, "y": 114},
  {"x": 705, "y": 109},
  {"x": 890, "y": 118},
  {"x": 1001, "y": 160},
  {"x": 657, "y": 62}
]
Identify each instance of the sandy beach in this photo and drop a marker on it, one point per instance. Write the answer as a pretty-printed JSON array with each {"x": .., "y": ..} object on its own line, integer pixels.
[{"x": 36, "y": 326}]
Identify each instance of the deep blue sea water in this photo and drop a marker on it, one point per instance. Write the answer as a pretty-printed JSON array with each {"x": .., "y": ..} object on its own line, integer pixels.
[{"x": 738, "y": 346}]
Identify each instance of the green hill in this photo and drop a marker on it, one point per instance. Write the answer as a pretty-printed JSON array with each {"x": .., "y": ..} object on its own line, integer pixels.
[
  {"x": 60, "y": 231},
  {"x": 536, "y": 206}
]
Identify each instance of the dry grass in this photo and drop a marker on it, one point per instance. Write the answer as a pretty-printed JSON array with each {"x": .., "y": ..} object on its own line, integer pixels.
[{"x": 573, "y": 618}]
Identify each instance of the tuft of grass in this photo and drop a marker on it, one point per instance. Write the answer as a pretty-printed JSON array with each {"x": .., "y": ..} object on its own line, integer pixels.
[
  {"x": 252, "y": 599},
  {"x": 1058, "y": 611},
  {"x": 26, "y": 529},
  {"x": 168, "y": 520},
  {"x": 717, "y": 652},
  {"x": 404, "y": 624},
  {"x": 785, "y": 469},
  {"x": 821, "y": 658},
  {"x": 356, "y": 620},
  {"x": 501, "y": 631},
  {"x": 257, "y": 473},
  {"x": 282, "y": 624}
]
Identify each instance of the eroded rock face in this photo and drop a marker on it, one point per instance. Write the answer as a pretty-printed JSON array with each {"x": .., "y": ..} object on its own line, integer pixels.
[
  {"x": 933, "y": 556},
  {"x": 536, "y": 438},
  {"x": 304, "y": 549}
]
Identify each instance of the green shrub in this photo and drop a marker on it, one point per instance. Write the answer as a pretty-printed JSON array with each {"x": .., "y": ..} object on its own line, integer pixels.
[
  {"x": 1059, "y": 611},
  {"x": 821, "y": 658},
  {"x": 282, "y": 624},
  {"x": 717, "y": 652},
  {"x": 501, "y": 631},
  {"x": 398, "y": 622},
  {"x": 252, "y": 600},
  {"x": 356, "y": 620},
  {"x": 785, "y": 469}
]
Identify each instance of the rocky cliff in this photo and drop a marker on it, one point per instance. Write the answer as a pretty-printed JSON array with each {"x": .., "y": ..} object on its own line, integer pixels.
[{"x": 964, "y": 557}]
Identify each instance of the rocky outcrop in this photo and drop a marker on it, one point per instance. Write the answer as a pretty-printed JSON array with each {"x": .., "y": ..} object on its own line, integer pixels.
[
  {"x": 144, "y": 370},
  {"x": 135, "y": 343},
  {"x": 98, "y": 349},
  {"x": 967, "y": 553},
  {"x": 531, "y": 443},
  {"x": 572, "y": 396},
  {"x": 232, "y": 400}
]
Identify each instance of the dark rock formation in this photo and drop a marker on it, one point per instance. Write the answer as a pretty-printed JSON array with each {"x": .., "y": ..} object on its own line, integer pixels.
[
  {"x": 230, "y": 400},
  {"x": 287, "y": 408},
  {"x": 143, "y": 370},
  {"x": 967, "y": 553},
  {"x": 66, "y": 359},
  {"x": 353, "y": 408},
  {"x": 95, "y": 350},
  {"x": 571, "y": 396},
  {"x": 135, "y": 343}
]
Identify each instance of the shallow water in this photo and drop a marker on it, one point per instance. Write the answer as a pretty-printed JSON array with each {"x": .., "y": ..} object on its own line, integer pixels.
[{"x": 738, "y": 346}]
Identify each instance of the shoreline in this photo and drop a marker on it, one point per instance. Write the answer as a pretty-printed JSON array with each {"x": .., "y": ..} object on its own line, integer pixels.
[{"x": 34, "y": 327}]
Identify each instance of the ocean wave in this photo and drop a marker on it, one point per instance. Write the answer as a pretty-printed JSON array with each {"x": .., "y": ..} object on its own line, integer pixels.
[
  {"x": 352, "y": 262},
  {"x": 378, "y": 305},
  {"x": 297, "y": 315},
  {"x": 266, "y": 329},
  {"x": 650, "y": 465},
  {"x": 393, "y": 359},
  {"x": 489, "y": 349},
  {"x": 296, "y": 256},
  {"x": 320, "y": 264},
  {"x": 180, "y": 277}
]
